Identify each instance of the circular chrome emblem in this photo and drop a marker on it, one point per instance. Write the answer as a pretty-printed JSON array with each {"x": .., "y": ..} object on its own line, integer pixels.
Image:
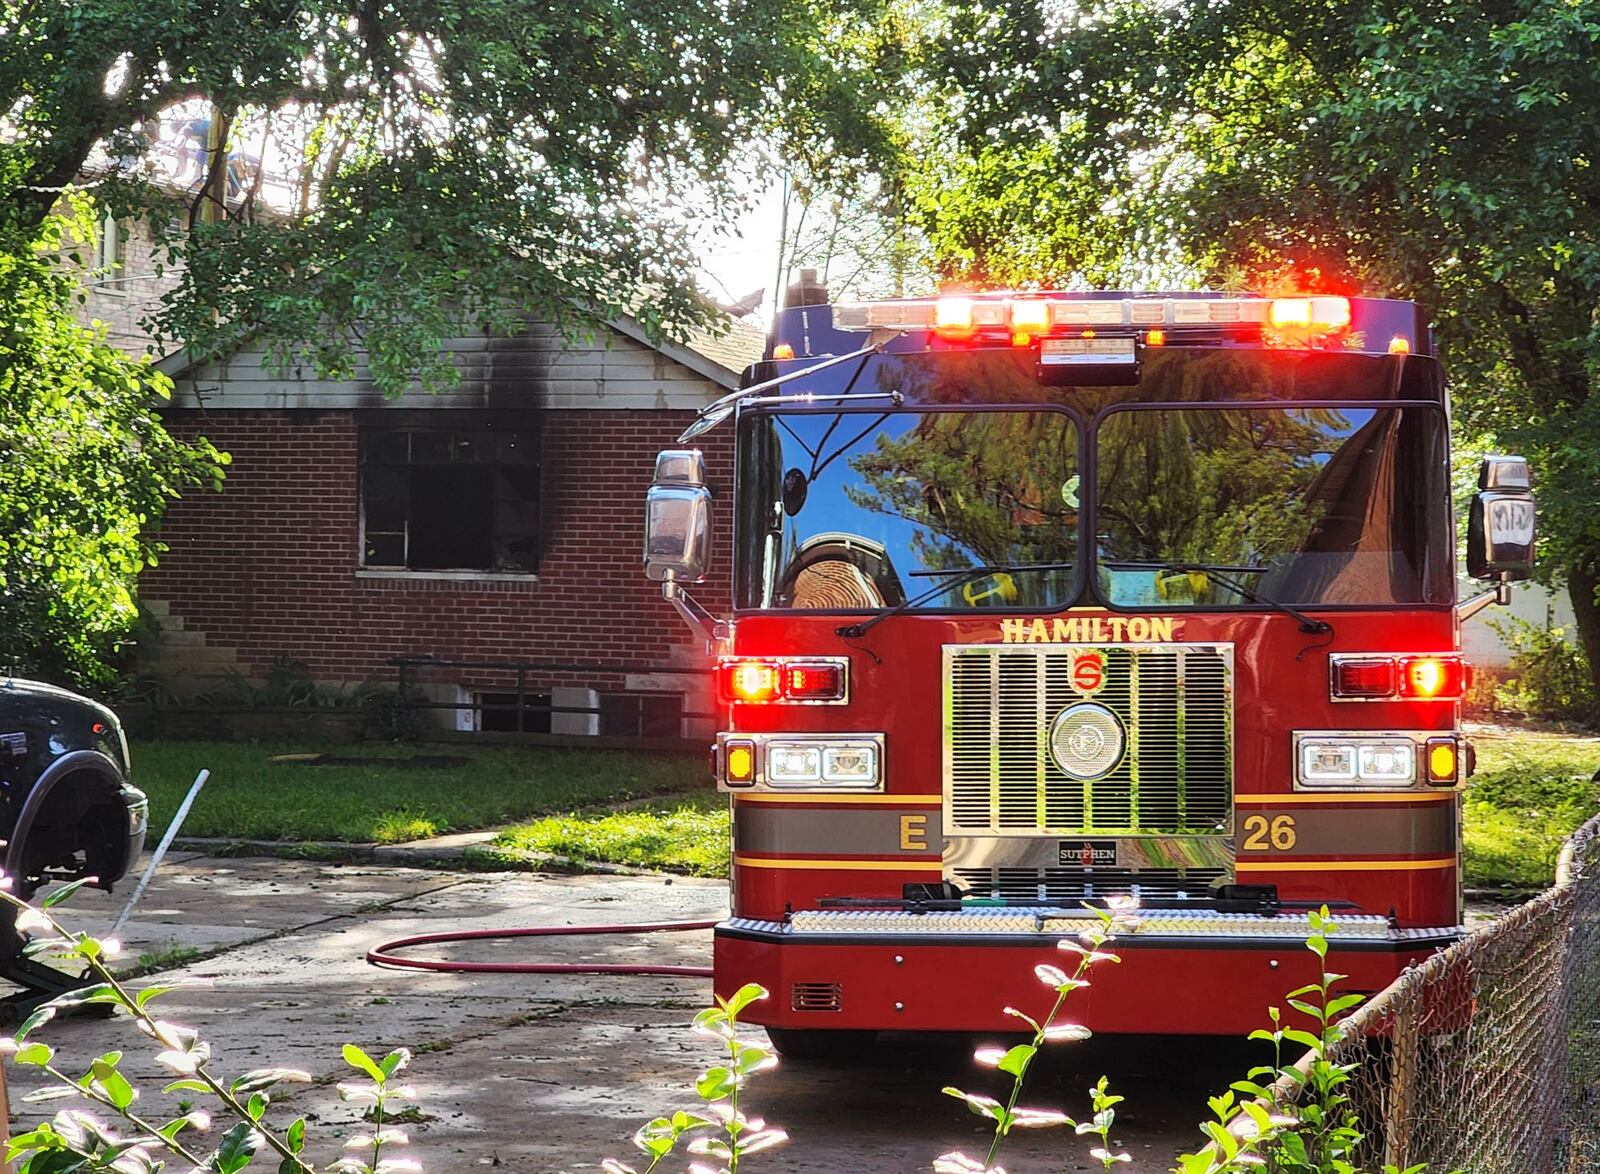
[{"x": 1087, "y": 740}]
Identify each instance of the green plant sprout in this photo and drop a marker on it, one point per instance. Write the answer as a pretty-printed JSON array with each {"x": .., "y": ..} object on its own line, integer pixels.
[
  {"x": 1118, "y": 916},
  {"x": 722, "y": 1132},
  {"x": 77, "y": 1140},
  {"x": 1318, "y": 1135}
]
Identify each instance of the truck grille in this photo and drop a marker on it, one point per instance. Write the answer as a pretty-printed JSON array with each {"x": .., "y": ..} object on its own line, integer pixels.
[
  {"x": 1069, "y": 886},
  {"x": 1175, "y": 776}
]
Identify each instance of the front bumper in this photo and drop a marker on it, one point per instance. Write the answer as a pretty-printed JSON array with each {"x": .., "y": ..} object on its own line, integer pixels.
[
  {"x": 1182, "y": 972},
  {"x": 138, "y": 807}
]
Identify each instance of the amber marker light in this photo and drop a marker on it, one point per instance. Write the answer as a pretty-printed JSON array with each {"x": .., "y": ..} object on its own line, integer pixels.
[
  {"x": 739, "y": 763},
  {"x": 1155, "y": 338},
  {"x": 1029, "y": 317},
  {"x": 783, "y": 351},
  {"x": 952, "y": 317},
  {"x": 1443, "y": 763},
  {"x": 1399, "y": 345}
]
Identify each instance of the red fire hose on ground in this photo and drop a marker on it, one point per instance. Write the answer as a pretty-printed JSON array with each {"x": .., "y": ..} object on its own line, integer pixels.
[{"x": 385, "y": 955}]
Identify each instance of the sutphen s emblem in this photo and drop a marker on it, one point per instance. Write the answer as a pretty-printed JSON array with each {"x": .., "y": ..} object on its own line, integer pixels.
[{"x": 1088, "y": 672}]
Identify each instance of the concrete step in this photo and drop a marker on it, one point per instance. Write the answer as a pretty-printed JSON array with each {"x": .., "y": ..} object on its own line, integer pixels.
[
  {"x": 182, "y": 639},
  {"x": 157, "y": 607},
  {"x": 166, "y": 658}
]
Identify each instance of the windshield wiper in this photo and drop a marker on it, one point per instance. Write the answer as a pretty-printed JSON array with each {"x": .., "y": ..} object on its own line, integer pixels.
[
  {"x": 961, "y": 575},
  {"x": 1308, "y": 624}
]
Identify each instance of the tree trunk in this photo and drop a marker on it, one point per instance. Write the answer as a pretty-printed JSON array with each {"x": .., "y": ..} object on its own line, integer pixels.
[{"x": 1582, "y": 584}]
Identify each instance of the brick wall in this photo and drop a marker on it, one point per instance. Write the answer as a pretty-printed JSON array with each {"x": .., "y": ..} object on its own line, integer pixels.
[
  {"x": 121, "y": 299},
  {"x": 267, "y": 566}
]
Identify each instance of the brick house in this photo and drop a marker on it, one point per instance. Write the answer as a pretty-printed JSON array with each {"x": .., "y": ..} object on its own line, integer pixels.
[{"x": 501, "y": 521}]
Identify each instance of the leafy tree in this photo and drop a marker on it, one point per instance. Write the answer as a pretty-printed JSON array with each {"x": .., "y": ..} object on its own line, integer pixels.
[
  {"x": 459, "y": 162},
  {"x": 1441, "y": 151},
  {"x": 87, "y": 471}
]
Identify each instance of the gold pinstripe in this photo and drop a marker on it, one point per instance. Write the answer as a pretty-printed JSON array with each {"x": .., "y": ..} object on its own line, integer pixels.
[
  {"x": 903, "y": 800},
  {"x": 1343, "y": 797},
  {"x": 1342, "y": 865},
  {"x": 922, "y": 865}
]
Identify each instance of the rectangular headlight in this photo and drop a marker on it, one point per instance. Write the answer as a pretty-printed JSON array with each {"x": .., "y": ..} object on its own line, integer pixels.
[
  {"x": 793, "y": 762},
  {"x": 1386, "y": 762},
  {"x": 1353, "y": 759},
  {"x": 1327, "y": 762},
  {"x": 850, "y": 764}
]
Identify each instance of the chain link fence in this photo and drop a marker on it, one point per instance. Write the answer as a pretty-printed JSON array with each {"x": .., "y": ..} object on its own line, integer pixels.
[{"x": 1486, "y": 1058}]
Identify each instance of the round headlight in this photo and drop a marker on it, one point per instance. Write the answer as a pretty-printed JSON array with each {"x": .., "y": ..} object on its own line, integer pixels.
[{"x": 1087, "y": 740}]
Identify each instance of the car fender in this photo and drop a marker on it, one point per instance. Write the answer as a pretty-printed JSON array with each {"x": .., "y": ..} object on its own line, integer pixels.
[{"x": 77, "y": 760}]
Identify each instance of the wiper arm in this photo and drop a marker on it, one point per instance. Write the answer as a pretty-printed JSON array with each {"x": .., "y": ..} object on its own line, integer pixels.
[
  {"x": 1308, "y": 624},
  {"x": 961, "y": 575}
]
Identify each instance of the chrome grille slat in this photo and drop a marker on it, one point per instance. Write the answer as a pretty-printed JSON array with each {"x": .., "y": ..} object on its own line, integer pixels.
[
  {"x": 1176, "y": 777},
  {"x": 1071, "y": 885}
]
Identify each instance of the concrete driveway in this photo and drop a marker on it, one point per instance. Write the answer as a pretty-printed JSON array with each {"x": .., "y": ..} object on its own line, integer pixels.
[{"x": 553, "y": 1073}]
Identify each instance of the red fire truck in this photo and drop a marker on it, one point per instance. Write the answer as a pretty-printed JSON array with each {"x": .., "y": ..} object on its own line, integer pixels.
[{"x": 1041, "y": 599}]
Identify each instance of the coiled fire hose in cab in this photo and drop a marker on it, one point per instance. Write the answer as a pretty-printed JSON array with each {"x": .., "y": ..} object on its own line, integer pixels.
[{"x": 385, "y": 955}]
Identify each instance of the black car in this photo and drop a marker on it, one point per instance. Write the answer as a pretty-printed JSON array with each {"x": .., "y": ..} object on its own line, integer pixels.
[{"x": 67, "y": 809}]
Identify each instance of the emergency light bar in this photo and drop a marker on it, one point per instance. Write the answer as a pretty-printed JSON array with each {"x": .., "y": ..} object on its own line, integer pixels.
[{"x": 1025, "y": 316}]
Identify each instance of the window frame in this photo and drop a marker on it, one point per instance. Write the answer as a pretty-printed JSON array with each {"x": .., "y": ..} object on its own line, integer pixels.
[{"x": 446, "y": 422}]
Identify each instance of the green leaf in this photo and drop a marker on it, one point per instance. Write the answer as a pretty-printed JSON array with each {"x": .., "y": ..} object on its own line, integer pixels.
[
  {"x": 295, "y": 1136},
  {"x": 749, "y": 993},
  {"x": 40, "y": 1017},
  {"x": 112, "y": 1083},
  {"x": 264, "y": 1078},
  {"x": 1016, "y": 1059},
  {"x": 362, "y": 1062},
  {"x": 715, "y": 1084},
  {"x": 237, "y": 1148},
  {"x": 66, "y": 892},
  {"x": 394, "y": 1061},
  {"x": 34, "y": 1053},
  {"x": 187, "y": 1085}
]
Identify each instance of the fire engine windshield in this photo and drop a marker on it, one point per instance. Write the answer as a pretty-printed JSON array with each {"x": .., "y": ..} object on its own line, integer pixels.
[
  {"x": 863, "y": 510},
  {"x": 1192, "y": 507},
  {"x": 1207, "y": 506}
]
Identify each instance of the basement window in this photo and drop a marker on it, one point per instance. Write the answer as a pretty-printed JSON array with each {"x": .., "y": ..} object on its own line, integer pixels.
[{"x": 452, "y": 499}]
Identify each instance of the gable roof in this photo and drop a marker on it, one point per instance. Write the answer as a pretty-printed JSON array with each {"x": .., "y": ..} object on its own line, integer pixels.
[{"x": 722, "y": 359}]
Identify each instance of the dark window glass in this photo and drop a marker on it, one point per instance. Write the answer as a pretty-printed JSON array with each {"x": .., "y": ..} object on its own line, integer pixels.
[
  {"x": 450, "y": 499},
  {"x": 1302, "y": 505},
  {"x": 497, "y": 712},
  {"x": 859, "y": 510}
]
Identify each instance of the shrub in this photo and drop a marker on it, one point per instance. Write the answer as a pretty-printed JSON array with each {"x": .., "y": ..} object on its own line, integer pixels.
[{"x": 1548, "y": 676}]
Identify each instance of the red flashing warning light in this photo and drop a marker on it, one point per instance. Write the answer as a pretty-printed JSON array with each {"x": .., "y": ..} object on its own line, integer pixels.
[
  {"x": 813, "y": 682},
  {"x": 1370, "y": 677},
  {"x": 782, "y": 679},
  {"x": 1433, "y": 678},
  {"x": 1311, "y": 314},
  {"x": 1030, "y": 317},
  {"x": 751, "y": 682}
]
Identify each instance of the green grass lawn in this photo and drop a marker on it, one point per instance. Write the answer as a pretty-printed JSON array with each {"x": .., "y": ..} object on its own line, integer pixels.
[
  {"x": 1532, "y": 790},
  {"x": 251, "y": 797},
  {"x": 686, "y": 833}
]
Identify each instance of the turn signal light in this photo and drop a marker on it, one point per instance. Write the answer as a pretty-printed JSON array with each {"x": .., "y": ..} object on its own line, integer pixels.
[
  {"x": 794, "y": 680},
  {"x": 1443, "y": 763},
  {"x": 1433, "y": 678}
]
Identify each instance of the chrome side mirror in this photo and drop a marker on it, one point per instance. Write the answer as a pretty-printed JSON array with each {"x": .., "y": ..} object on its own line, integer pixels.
[
  {"x": 677, "y": 518},
  {"x": 1500, "y": 526}
]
